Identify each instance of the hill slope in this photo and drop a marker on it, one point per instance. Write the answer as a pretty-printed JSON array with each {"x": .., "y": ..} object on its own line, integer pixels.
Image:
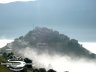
[
  {"x": 3, "y": 68},
  {"x": 44, "y": 39}
]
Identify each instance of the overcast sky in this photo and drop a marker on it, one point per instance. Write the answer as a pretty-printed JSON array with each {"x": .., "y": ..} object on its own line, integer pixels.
[
  {"x": 75, "y": 18},
  {"x": 8, "y": 1}
]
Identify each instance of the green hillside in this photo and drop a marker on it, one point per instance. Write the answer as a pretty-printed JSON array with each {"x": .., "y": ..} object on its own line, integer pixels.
[
  {"x": 3, "y": 68},
  {"x": 33, "y": 69}
]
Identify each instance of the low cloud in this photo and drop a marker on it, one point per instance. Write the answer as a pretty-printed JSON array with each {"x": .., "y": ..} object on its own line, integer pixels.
[
  {"x": 50, "y": 49},
  {"x": 8, "y": 1},
  {"x": 91, "y": 46},
  {"x": 57, "y": 62},
  {"x": 3, "y": 42}
]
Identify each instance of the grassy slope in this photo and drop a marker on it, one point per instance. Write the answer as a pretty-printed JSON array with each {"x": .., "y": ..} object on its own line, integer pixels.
[{"x": 3, "y": 68}]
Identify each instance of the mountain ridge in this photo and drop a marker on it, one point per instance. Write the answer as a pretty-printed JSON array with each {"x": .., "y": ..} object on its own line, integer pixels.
[{"x": 44, "y": 39}]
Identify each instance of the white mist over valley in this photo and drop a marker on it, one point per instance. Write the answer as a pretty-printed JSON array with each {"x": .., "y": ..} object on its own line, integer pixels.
[
  {"x": 55, "y": 59},
  {"x": 59, "y": 63}
]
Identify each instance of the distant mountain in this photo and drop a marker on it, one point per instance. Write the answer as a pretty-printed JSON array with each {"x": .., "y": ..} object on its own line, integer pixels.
[{"x": 43, "y": 39}]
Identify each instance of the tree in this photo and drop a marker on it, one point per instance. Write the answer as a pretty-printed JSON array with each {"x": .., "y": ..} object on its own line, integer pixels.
[
  {"x": 5, "y": 55},
  {"x": 42, "y": 70},
  {"x": 10, "y": 55},
  {"x": 51, "y": 70},
  {"x": 35, "y": 70},
  {"x": 27, "y": 60}
]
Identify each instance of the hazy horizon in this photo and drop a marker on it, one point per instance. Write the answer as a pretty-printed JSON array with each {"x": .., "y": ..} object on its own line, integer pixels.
[{"x": 76, "y": 19}]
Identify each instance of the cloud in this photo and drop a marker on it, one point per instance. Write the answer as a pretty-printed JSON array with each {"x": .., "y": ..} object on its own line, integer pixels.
[
  {"x": 3, "y": 42},
  {"x": 57, "y": 62},
  {"x": 50, "y": 49},
  {"x": 8, "y": 1},
  {"x": 91, "y": 46}
]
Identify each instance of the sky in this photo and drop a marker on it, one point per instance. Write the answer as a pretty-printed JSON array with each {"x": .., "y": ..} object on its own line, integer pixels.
[
  {"x": 76, "y": 19},
  {"x": 8, "y": 1}
]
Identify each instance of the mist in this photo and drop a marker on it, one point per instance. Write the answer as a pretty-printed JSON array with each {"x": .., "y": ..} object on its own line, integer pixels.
[
  {"x": 51, "y": 50},
  {"x": 58, "y": 62},
  {"x": 3, "y": 42}
]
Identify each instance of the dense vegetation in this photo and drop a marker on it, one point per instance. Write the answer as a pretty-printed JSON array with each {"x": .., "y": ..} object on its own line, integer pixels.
[
  {"x": 3, "y": 68},
  {"x": 27, "y": 68}
]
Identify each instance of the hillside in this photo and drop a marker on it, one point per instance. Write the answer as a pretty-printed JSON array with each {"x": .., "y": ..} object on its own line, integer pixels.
[
  {"x": 3, "y": 68},
  {"x": 26, "y": 68},
  {"x": 44, "y": 39}
]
